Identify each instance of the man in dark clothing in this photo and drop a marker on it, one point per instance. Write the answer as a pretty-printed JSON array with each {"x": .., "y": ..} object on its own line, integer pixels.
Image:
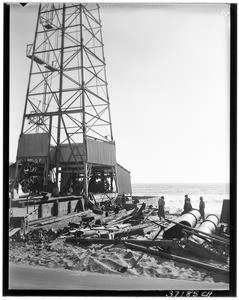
[
  {"x": 123, "y": 199},
  {"x": 187, "y": 205},
  {"x": 202, "y": 208},
  {"x": 161, "y": 204}
]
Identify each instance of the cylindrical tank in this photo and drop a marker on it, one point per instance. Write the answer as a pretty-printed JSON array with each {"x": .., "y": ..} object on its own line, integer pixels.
[
  {"x": 189, "y": 219},
  {"x": 208, "y": 226},
  {"x": 213, "y": 218}
]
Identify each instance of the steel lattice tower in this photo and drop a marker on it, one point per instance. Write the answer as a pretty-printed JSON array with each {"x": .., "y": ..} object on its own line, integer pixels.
[{"x": 67, "y": 105}]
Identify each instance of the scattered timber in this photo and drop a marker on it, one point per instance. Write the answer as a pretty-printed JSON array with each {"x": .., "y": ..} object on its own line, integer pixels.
[
  {"x": 120, "y": 221},
  {"x": 162, "y": 224},
  {"x": 206, "y": 251},
  {"x": 129, "y": 231},
  {"x": 14, "y": 231},
  {"x": 118, "y": 226},
  {"x": 138, "y": 215},
  {"x": 89, "y": 204},
  {"x": 160, "y": 243},
  {"x": 90, "y": 233},
  {"x": 122, "y": 217},
  {"x": 176, "y": 258},
  {"x": 74, "y": 224},
  {"x": 204, "y": 237},
  {"x": 106, "y": 220},
  {"x": 148, "y": 214}
]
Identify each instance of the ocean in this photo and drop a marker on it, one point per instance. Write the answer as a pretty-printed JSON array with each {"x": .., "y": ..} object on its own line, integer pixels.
[{"x": 213, "y": 195}]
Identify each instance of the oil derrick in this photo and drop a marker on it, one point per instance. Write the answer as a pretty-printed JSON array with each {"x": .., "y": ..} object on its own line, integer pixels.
[{"x": 66, "y": 139}]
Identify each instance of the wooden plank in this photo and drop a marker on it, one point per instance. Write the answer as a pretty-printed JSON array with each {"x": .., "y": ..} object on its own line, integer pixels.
[
  {"x": 74, "y": 225},
  {"x": 45, "y": 221},
  {"x": 13, "y": 231},
  {"x": 148, "y": 214},
  {"x": 131, "y": 230},
  {"x": 204, "y": 237},
  {"x": 105, "y": 220},
  {"x": 122, "y": 217},
  {"x": 119, "y": 221},
  {"x": 22, "y": 212},
  {"x": 204, "y": 252},
  {"x": 41, "y": 200},
  {"x": 176, "y": 257},
  {"x": 165, "y": 243}
]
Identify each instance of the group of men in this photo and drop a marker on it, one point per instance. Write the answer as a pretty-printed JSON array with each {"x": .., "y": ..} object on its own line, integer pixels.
[{"x": 187, "y": 207}]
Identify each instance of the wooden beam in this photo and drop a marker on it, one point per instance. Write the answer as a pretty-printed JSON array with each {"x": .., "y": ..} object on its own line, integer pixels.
[
  {"x": 204, "y": 237},
  {"x": 159, "y": 243},
  {"x": 176, "y": 257}
]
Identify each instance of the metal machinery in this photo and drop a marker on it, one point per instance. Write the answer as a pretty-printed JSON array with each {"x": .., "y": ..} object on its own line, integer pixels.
[{"x": 66, "y": 141}]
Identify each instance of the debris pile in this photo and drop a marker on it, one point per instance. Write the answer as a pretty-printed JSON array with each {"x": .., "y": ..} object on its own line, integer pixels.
[{"x": 130, "y": 242}]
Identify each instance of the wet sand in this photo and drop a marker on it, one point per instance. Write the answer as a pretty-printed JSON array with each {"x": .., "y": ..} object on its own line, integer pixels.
[{"x": 42, "y": 278}]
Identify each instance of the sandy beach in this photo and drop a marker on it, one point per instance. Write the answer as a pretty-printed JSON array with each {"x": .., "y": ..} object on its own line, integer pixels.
[
  {"x": 62, "y": 266},
  {"x": 42, "y": 278}
]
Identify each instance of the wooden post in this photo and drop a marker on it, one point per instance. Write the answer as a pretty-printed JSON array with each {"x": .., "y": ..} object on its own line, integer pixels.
[
  {"x": 69, "y": 207},
  {"x": 39, "y": 211},
  {"x": 56, "y": 208}
]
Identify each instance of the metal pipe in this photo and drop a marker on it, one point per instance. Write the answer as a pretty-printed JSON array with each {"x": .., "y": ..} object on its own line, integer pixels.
[
  {"x": 208, "y": 226},
  {"x": 190, "y": 219}
]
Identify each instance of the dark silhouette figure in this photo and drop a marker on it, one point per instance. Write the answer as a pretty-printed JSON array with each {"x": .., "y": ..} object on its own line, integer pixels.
[
  {"x": 187, "y": 205},
  {"x": 161, "y": 204},
  {"x": 202, "y": 208}
]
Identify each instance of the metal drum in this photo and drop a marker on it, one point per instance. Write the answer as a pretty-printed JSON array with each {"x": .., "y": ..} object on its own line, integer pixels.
[
  {"x": 214, "y": 219},
  {"x": 189, "y": 219},
  {"x": 208, "y": 226}
]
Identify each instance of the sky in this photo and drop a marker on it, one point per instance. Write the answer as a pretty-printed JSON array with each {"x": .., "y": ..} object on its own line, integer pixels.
[{"x": 169, "y": 87}]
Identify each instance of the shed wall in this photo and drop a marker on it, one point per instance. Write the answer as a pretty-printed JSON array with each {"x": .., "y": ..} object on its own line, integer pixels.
[{"x": 124, "y": 180}]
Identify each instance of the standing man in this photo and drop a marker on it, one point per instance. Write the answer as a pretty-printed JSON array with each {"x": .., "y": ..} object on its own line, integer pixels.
[
  {"x": 202, "y": 208},
  {"x": 161, "y": 204},
  {"x": 187, "y": 205},
  {"x": 123, "y": 199}
]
